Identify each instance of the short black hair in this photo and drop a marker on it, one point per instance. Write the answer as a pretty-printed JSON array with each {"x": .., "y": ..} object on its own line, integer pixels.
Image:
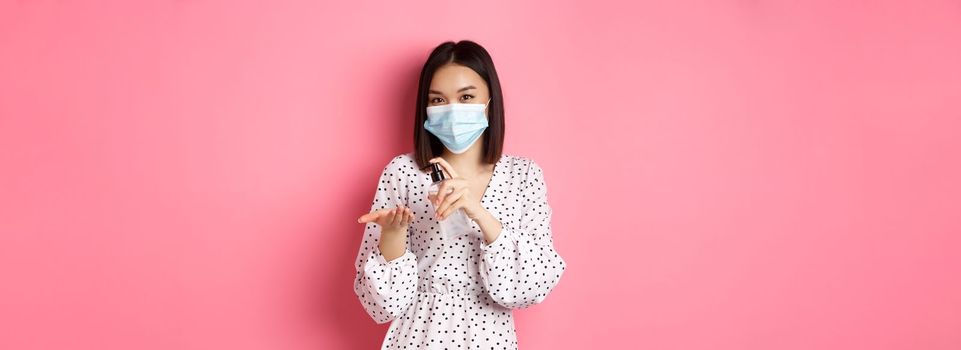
[{"x": 471, "y": 55}]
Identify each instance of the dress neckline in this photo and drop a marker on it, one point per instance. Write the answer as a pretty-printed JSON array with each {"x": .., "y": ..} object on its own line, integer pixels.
[{"x": 490, "y": 183}]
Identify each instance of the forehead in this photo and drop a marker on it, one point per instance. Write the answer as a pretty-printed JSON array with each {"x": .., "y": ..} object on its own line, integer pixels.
[{"x": 450, "y": 77}]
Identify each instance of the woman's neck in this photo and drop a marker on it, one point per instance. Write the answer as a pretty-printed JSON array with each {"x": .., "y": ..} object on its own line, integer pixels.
[{"x": 469, "y": 163}]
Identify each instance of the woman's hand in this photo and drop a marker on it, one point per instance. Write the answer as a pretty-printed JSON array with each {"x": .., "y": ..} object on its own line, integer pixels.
[
  {"x": 391, "y": 220},
  {"x": 454, "y": 193}
]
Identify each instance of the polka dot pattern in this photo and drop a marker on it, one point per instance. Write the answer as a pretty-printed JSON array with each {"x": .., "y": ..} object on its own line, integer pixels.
[{"x": 459, "y": 293}]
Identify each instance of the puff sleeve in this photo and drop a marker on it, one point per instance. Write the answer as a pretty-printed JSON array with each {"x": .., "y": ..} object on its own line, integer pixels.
[
  {"x": 385, "y": 288},
  {"x": 520, "y": 267}
]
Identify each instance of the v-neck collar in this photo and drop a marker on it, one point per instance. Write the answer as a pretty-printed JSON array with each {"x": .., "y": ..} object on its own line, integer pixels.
[
  {"x": 491, "y": 182},
  {"x": 487, "y": 191}
]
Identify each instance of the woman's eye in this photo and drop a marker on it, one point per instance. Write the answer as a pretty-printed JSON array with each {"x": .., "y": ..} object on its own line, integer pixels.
[
  {"x": 436, "y": 100},
  {"x": 466, "y": 97}
]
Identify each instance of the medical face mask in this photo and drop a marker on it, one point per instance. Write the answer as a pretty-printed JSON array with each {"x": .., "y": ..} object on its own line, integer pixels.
[{"x": 457, "y": 125}]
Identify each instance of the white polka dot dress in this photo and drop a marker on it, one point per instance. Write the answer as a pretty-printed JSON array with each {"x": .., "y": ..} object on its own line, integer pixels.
[{"x": 459, "y": 293}]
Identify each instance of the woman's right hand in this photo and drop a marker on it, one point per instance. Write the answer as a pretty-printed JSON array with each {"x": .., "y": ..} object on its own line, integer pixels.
[{"x": 391, "y": 220}]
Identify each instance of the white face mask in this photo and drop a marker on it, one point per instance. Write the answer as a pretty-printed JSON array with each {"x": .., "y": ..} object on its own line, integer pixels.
[{"x": 457, "y": 125}]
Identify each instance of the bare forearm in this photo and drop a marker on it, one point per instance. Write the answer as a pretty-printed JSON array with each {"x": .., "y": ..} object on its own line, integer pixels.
[
  {"x": 489, "y": 225},
  {"x": 393, "y": 244}
]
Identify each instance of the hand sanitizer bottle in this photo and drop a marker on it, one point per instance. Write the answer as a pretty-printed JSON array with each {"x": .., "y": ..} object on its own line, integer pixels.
[{"x": 457, "y": 223}]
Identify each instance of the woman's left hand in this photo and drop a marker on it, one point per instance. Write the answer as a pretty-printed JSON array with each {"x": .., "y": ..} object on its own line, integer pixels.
[{"x": 459, "y": 195}]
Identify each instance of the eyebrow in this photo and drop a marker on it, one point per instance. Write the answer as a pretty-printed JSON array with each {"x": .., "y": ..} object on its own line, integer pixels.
[{"x": 461, "y": 89}]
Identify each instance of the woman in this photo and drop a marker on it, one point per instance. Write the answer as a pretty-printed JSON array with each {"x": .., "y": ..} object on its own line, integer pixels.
[{"x": 457, "y": 290}]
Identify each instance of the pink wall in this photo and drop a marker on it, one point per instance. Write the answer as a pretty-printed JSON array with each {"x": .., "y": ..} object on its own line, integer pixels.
[{"x": 725, "y": 175}]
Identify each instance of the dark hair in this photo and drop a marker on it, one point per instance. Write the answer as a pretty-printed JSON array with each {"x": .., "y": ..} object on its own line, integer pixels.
[{"x": 471, "y": 55}]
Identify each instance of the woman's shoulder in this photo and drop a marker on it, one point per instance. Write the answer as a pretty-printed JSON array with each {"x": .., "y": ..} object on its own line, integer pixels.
[
  {"x": 404, "y": 158},
  {"x": 523, "y": 164},
  {"x": 402, "y": 165}
]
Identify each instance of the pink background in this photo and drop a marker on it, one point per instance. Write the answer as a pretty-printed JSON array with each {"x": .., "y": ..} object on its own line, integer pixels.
[{"x": 725, "y": 174}]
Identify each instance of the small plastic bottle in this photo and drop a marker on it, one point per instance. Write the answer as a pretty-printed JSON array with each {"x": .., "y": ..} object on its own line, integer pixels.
[{"x": 457, "y": 223}]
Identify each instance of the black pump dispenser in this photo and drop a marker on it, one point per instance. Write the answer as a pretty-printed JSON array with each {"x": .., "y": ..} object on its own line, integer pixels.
[{"x": 436, "y": 175}]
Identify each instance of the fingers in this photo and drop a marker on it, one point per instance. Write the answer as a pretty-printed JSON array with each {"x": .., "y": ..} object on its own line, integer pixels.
[
  {"x": 396, "y": 216},
  {"x": 367, "y": 218},
  {"x": 386, "y": 217},
  {"x": 372, "y": 216},
  {"x": 446, "y": 188},
  {"x": 408, "y": 217},
  {"x": 444, "y": 164},
  {"x": 449, "y": 201},
  {"x": 399, "y": 217},
  {"x": 389, "y": 217},
  {"x": 459, "y": 202},
  {"x": 442, "y": 190}
]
